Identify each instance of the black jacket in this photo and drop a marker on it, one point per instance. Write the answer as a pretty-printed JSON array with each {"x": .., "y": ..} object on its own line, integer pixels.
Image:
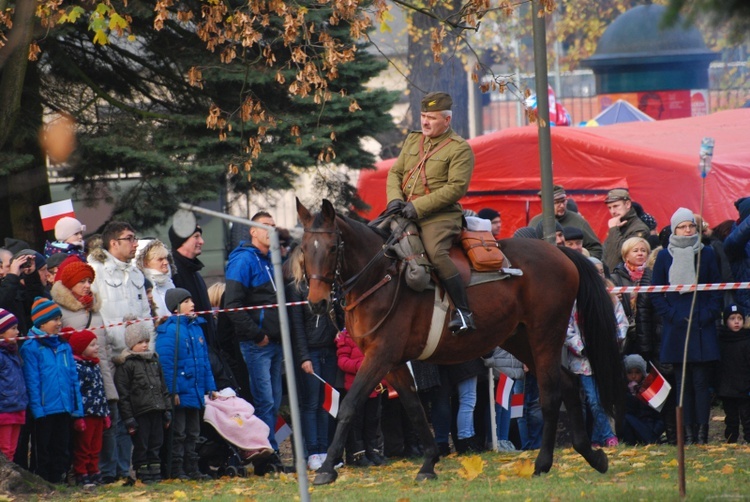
[
  {"x": 310, "y": 331},
  {"x": 735, "y": 363},
  {"x": 18, "y": 298},
  {"x": 140, "y": 383},
  {"x": 187, "y": 276}
]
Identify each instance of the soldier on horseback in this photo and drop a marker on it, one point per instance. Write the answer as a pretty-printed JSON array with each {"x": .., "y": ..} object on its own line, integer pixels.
[{"x": 429, "y": 177}]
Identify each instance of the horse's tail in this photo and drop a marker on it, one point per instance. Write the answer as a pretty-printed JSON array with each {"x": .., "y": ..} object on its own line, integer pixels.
[{"x": 596, "y": 318}]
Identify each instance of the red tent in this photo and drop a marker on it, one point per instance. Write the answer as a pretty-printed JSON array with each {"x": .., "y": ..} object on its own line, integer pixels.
[{"x": 657, "y": 161}]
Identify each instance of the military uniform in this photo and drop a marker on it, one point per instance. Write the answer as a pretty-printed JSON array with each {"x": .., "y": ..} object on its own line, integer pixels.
[{"x": 447, "y": 173}]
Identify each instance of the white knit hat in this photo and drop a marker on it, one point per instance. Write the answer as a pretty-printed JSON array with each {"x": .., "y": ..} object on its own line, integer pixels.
[{"x": 67, "y": 226}]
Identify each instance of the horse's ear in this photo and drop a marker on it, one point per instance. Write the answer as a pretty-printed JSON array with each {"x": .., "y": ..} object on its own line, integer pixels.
[
  {"x": 329, "y": 213},
  {"x": 304, "y": 215}
]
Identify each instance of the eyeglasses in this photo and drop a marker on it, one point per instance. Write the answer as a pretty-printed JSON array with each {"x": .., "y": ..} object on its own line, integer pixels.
[
  {"x": 560, "y": 202},
  {"x": 686, "y": 226},
  {"x": 130, "y": 239}
]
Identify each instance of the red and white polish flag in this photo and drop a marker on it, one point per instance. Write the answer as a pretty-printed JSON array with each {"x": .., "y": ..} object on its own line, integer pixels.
[
  {"x": 504, "y": 387},
  {"x": 654, "y": 389},
  {"x": 50, "y": 213},
  {"x": 331, "y": 401},
  {"x": 282, "y": 429},
  {"x": 516, "y": 405}
]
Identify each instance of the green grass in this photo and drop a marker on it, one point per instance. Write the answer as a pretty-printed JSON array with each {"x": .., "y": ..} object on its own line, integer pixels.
[{"x": 636, "y": 473}]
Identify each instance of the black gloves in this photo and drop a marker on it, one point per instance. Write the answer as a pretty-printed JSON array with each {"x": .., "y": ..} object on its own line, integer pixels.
[
  {"x": 395, "y": 206},
  {"x": 131, "y": 425},
  {"x": 409, "y": 211}
]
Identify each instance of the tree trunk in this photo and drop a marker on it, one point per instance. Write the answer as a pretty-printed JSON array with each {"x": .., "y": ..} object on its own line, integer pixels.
[
  {"x": 425, "y": 75},
  {"x": 16, "y": 481}
]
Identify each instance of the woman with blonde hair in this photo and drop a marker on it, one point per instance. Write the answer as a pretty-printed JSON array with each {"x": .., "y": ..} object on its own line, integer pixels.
[
  {"x": 632, "y": 271},
  {"x": 156, "y": 264}
]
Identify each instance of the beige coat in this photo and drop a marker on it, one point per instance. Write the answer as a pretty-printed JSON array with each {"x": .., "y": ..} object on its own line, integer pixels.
[{"x": 74, "y": 315}]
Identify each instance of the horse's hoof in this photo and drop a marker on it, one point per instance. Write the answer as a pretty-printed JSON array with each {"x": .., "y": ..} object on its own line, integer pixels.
[
  {"x": 599, "y": 461},
  {"x": 424, "y": 476},
  {"x": 325, "y": 478}
]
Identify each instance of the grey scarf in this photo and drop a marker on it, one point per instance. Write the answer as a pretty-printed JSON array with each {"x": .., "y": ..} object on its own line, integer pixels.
[{"x": 683, "y": 250}]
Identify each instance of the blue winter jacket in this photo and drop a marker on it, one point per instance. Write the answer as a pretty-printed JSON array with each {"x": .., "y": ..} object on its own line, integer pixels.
[
  {"x": 674, "y": 309},
  {"x": 13, "y": 395},
  {"x": 92, "y": 388},
  {"x": 51, "y": 376},
  {"x": 737, "y": 248},
  {"x": 250, "y": 281},
  {"x": 194, "y": 377}
]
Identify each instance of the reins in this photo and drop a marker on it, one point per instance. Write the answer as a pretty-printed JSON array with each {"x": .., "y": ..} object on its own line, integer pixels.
[{"x": 348, "y": 285}]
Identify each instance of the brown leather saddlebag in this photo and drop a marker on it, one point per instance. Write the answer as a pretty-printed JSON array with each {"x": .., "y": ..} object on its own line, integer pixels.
[{"x": 483, "y": 250}]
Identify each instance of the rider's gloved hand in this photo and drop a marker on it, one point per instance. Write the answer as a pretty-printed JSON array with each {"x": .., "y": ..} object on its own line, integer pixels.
[
  {"x": 395, "y": 206},
  {"x": 409, "y": 211}
]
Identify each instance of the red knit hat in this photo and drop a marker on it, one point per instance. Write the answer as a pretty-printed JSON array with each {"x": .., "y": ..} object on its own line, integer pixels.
[
  {"x": 80, "y": 340},
  {"x": 73, "y": 270}
]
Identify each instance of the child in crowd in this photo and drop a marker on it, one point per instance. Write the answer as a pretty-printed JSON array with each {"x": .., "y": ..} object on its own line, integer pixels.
[
  {"x": 180, "y": 340},
  {"x": 642, "y": 423},
  {"x": 53, "y": 389},
  {"x": 13, "y": 398},
  {"x": 578, "y": 363},
  {"x": 144, "y": 400},
  {"x": 734, "y": 384},
  {"x": 89, "y": 430},
  {"x": 365, "y": 437}
]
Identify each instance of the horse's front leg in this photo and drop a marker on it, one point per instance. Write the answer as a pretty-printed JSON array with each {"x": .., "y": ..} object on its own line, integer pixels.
[
  {"x": 369, "y": 375},
  {"x": 401, "y": 379}
]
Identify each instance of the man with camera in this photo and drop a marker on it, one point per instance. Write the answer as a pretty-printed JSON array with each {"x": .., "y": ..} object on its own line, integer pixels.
[{"x": 20, "y": 286}]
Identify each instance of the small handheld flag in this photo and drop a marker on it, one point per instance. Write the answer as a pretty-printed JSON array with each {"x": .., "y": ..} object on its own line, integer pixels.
[
  {"x": 654, "y": 389},
  {"x": 331, "y": 400},
  {"x": 282, "y": 429},
  {"x": 50, "y": 213},
  {"x": 504, "y": 387},
  {"x": 516, "y": 405}
]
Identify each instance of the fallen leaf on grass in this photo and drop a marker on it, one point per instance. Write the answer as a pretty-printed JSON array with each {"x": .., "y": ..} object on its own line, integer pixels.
[
  {"x": 624, "y": 473},
  {"x": 665, "y": 476},
  {"x": 638, "y": 465},
  {"x": 179, "y": 494},
  {"x": 703, "y": 479},
  {"x": 471, "y": 467},
  {"x": 629, "y": 453},
  {"x": 524, "y": 468},
  {"x": 502, "y": 478},
  {"x": 727, "y": 469},
  {"x": 671, "y": 463}
]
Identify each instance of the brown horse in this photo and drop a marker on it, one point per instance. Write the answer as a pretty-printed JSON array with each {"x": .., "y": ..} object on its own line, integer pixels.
[{"x": 527, "y": 316}]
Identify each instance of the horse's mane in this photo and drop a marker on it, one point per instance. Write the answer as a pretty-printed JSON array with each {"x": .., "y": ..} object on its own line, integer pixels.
[{"x": 383, "y": 233}]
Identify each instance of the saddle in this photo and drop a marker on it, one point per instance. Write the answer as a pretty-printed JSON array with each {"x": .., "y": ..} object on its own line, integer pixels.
[{"x": 489, "y": 263}]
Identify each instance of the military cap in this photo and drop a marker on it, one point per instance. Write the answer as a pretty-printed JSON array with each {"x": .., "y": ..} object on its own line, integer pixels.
[
  {"x": 436, "y": 102},
  {"x": 558, "y": 192},
  {"x": 617, "y": 194}
]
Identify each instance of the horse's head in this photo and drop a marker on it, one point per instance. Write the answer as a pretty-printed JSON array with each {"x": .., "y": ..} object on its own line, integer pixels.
[{"x": 321, "y": 246}]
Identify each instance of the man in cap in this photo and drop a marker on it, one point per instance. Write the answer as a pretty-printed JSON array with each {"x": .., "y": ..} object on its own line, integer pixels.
[
  {"x": 429, "y": 177},
  {"x": 568, "y": 218},
  {"x": 496, "y": 220},
  {"x": 623, "y": 224},
  {"x": 737, "y": 248}
]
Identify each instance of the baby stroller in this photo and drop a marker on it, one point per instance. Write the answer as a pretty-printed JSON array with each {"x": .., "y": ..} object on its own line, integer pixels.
[{"x": 234, "y": 437}]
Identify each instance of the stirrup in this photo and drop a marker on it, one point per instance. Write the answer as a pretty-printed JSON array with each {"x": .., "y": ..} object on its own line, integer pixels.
[{"x": 461, "y": 322}]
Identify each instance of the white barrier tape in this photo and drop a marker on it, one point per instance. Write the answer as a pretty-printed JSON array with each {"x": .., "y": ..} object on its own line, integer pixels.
[
  {"x": 676, "y": 288},
  {"x": 200, "y": 312}
]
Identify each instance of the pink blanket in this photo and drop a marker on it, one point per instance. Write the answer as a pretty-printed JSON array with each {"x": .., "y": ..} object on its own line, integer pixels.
[{"x": 233, "y": 419}]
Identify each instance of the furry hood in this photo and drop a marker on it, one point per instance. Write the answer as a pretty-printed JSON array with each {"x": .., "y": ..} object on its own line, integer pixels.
[
  {"x": 97, "y": 254},
  {"x": 126, "y": 353},
  {"x": 67, "y": 300},
  {"x": 140, "y": 258}
]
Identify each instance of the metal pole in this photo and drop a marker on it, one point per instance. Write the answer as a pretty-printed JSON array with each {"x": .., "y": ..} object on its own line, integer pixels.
[
  {"x": 542, "y": 110},
  {"x": 286, "y": 342},
  {"x": 493, "y": 415}
]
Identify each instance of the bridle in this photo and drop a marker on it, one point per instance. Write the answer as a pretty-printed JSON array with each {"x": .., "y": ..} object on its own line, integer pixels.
[{"x": 349, "y": 284}]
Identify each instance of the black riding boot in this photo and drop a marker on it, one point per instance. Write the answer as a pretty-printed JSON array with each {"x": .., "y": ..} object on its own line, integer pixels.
[{"x": 462, "y": 320}]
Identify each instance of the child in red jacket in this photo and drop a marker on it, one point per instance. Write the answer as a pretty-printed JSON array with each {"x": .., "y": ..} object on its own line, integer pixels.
[{"x": 363, "y": 446}]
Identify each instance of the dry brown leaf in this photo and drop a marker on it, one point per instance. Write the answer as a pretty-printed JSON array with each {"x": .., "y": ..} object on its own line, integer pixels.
[
  {"x": 727, "y": 469},
  {"x": 471, "y": 467}
]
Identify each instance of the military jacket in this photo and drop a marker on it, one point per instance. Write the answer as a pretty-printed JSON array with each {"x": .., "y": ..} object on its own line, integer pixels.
[{"x": 447, "y": 172}]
